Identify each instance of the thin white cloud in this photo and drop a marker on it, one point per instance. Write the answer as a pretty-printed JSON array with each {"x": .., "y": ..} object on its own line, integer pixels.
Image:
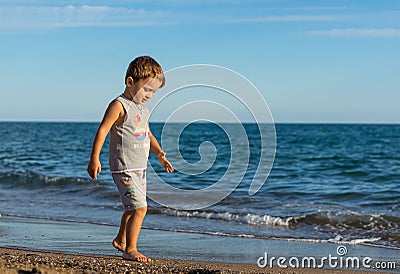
[
  {"x": 34, "y": 17},
  {"x": 356, "y": 32},
  {"x": 287, "y": 18},
  {"x": 318, "y": 8}
]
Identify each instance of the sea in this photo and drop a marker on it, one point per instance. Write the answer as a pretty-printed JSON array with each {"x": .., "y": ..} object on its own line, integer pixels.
[{"x": 335, "y": 183}]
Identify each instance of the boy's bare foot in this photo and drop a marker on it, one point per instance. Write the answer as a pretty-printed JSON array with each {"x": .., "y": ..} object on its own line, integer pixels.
[
  {"x": 135, "y": 256},
  {"x": 118, "y": 245}
]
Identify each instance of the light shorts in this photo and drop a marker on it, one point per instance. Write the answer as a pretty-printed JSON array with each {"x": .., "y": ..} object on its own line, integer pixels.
[{"x": 133, "y": 196}]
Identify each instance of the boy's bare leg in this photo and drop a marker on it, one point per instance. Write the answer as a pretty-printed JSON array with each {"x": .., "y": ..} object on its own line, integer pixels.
[
  {"x": 133, "y": 227},
  {"x": 120, "y": 241}
]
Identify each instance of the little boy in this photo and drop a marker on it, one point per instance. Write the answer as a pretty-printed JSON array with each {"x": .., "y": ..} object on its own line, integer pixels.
[{"x": 126, "y": 118}]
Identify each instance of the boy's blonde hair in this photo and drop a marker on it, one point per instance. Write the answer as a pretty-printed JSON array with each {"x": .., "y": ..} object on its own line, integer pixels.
[{"x": 143, "y": 67}]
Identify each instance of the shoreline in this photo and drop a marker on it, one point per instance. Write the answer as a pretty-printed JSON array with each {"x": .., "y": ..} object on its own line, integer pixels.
[{"x": 72, "y": 246}]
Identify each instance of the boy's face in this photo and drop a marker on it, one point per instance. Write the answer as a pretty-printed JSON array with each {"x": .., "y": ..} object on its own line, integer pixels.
[{"x": 143, "y": 89}]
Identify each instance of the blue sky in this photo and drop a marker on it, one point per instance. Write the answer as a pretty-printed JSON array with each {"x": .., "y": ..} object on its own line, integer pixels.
[{"x": 313, "y": 61}]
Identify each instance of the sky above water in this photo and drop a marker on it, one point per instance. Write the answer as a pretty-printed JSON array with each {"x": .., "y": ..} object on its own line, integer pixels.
[{"x": 312, "y": 61}]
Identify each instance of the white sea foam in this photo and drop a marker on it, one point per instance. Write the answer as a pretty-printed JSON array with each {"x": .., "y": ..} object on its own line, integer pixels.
[
  {"x": 340, "y": 240},
  {"x": 251, "y": 219}
]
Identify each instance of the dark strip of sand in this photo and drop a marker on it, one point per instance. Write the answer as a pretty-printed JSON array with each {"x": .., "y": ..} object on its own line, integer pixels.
[{"x": 28, "y": 261}]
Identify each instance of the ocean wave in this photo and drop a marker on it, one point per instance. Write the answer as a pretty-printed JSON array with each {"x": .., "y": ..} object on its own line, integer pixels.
[
  {"x": 251, "y": 219},
  {"x": 29, "y": 179},
  {"x": 33, "y": 181},
  {"x": 351, "y": 219},
  {"x": 346, "y": 220}
]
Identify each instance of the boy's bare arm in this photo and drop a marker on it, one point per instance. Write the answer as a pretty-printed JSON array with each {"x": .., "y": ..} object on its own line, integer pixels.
[
  {"x": 156, "y": 149},
  {"x": 154, "y": 146},
  {"x": 113, "y": 113}
]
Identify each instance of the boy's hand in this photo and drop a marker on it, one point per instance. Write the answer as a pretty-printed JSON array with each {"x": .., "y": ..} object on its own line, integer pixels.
[
  {"x": 165, "y": 163},
  {"x": 94, "y": 168}
]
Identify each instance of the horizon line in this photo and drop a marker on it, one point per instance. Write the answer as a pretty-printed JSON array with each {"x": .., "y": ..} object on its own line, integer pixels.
[{"x": 222, "y": 122}]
